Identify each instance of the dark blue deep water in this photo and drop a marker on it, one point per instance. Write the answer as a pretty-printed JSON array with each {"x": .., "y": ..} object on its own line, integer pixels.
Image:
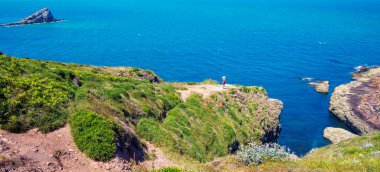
[{"x": 272, "y": 43}]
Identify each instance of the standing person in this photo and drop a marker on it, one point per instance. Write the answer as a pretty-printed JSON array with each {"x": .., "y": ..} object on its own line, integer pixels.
[{"x": 224, "y": 81}]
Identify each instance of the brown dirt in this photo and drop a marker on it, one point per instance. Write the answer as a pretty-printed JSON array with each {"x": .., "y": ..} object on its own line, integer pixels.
[
  {"x": 55, "y": 151},
  {"x": 158, "y": 159},
  {"x": 205, "y": 89}
]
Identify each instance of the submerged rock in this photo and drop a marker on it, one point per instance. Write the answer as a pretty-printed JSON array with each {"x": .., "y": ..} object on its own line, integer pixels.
[
  {"x": 42, "y": 16},
  {"x": 336, "y": 135},
  {"x": 357, "y": 103},
  {"x": 321, "y": 86}
]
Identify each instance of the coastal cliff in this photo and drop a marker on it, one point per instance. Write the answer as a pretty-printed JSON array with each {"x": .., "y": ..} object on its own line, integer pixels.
[
  {"x": 357, "y": 103},
  {"x": 121, "y": 118}
]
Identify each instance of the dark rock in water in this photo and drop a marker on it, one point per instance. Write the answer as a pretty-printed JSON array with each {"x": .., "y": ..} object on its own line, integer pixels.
[
  {"x": 360, "y": 69},
  {"x": 41, "y": 16},
  {"x": 1, "y": 53}
]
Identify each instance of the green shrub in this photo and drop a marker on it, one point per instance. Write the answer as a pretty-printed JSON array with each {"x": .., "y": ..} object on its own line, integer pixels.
[
  {"x": 16, "y": 124},
  {"x": 94, "y": 135},
  {"x": 50, "y": 121},
  {"x": 191, "y": 83},
  {"x": 151, "y": 130},
  {"x": 210, "y": 81},
  {"x": 96, "y": 70},
  {"x": 168, "y": 169},
  {"x": 33, "y": 95}
]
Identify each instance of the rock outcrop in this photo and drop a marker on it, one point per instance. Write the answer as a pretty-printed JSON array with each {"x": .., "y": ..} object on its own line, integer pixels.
[
  {"x": 357, "y": 103},
  {"x": 321, "y": 86},
  {"x": 42, "y": 16},
  {"x": 336, "y": 135}
]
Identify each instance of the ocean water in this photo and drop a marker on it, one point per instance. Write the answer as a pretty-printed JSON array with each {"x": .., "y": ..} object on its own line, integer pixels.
[{"x": 271, "y": 43}]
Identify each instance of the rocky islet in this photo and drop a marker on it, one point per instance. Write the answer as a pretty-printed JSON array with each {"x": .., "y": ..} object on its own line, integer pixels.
[{"x": 42, "y": 16}]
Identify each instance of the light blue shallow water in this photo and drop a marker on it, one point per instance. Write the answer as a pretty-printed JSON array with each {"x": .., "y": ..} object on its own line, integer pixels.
[{"x": 271, "y": 43}]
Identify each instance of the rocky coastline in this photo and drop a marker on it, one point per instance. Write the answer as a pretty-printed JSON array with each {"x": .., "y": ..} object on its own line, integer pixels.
[{"x": 357, "y": 103}]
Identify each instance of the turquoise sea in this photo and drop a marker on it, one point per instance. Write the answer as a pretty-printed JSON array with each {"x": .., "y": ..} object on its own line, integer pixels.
[{"x": 270, "y": 43}]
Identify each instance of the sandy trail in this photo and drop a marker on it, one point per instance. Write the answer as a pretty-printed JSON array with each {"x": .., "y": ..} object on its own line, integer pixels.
[
  {"x": 35, "y": 151},
  {"x": 205, "y": 89}
]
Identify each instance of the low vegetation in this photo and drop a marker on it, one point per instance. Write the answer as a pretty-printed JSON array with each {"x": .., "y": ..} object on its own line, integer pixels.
[
  {"x": 168, "y": 169},
  {"x": 255, "y": 154},
  {"x": 41, "y": 94},
  {"x": 207, "y": 128},
  {"x": 210, "y": 81},
  {"x": 32, "y": 95},
  {"x": 357, "y": 154}
]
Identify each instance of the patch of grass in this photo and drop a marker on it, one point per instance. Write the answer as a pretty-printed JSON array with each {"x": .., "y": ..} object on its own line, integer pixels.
[
  {"x": 210, "y": 81},
  {"x": 203, "y": 130},
  {"x": 151, "y": 130},
  {"x": 94, "y": 135},
  {"x": 168, "y": 169}
]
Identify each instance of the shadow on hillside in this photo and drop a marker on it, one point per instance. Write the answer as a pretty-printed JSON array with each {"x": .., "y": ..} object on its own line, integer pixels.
[{"x": 131, "y": 149}]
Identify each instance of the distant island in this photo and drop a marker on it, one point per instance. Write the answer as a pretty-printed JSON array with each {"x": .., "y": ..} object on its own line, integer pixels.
[{"x": 42, "y": 16}]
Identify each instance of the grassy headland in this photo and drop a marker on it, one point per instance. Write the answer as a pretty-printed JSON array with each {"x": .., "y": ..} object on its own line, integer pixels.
[{"x": 46, "y": 95}]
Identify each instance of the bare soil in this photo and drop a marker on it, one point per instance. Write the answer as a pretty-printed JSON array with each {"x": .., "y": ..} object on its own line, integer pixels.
[
  {"x": 205, "y": 89},
  {"x": 56, "y": 151}
]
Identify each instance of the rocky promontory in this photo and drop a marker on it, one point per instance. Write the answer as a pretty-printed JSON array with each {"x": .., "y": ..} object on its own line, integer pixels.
[
  {"x": 357, "y": 103},
  {"x": 42, "y": 16}
]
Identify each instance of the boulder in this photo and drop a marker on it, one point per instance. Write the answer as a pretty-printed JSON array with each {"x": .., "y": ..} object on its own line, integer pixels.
[
  {"x": 336, "y": 135},
  {"x": 321, "y": 86},
  {"x": 42, "y": 16}
]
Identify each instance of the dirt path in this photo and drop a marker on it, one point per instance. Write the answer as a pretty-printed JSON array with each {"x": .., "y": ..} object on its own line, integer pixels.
[
  {"x": 158, "y": 159},
  {"x": 205, "y": 89},
  {"x": 55, "y": 151}
]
